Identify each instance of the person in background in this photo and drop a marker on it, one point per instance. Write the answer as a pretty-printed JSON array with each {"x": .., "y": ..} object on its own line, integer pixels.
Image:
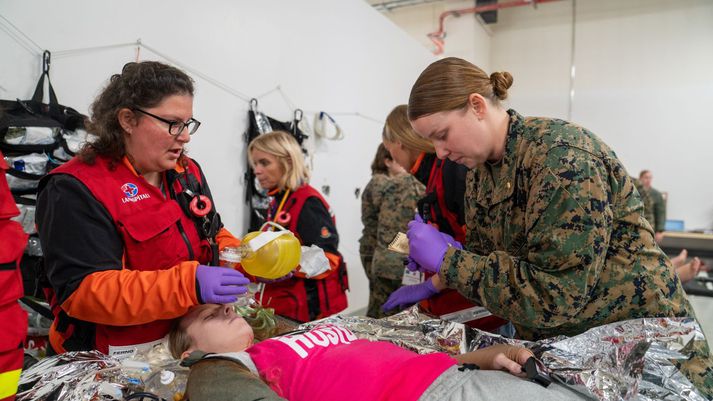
[
  {"x": 686, "y": 269},
  {"x": 557, "y": 242},
  {"x": 654, "y": 204},
  {"x": 329, "y": 363},
  {"x": 279, "y": 166},
  {"x": 388, "y": 204},
  {"x": 370, "y": 204},
  {"x": 442, "y": 205},
  {"x": 12, "y": 337},
  {"x": 122, "y": 224}
]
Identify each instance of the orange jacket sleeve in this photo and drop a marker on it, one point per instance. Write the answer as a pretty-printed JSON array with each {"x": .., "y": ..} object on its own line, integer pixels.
[
  {"x": 225, "y": 238},
  {"x": 130, "y": 297}
]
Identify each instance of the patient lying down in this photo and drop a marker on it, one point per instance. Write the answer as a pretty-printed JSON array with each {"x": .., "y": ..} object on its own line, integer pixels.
[{"x": 329, "y": 363}]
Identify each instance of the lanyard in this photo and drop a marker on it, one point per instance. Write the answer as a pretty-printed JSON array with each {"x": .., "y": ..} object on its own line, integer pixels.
[{"x": 277, "y": 216}]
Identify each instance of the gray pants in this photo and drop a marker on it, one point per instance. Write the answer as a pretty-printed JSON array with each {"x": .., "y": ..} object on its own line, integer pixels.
[{"x": 488, "y": 385}]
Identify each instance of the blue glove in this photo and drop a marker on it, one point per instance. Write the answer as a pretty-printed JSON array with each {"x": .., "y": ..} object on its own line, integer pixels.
[
  {"x": 219, "y": 285},
  {"x": 409, "y": 295},
  {"x": 427, "y": 245}
]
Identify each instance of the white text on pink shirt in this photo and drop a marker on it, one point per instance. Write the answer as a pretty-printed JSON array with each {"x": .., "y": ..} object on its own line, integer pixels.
[{"x": 322, "y": 336}]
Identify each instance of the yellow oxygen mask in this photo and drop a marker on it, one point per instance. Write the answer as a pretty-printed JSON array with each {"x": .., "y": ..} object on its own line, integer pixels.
[{"x": 266, "y": 254}]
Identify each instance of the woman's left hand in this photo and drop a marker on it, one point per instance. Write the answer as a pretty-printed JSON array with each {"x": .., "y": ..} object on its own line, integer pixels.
[{"x": 409, "y": 295}]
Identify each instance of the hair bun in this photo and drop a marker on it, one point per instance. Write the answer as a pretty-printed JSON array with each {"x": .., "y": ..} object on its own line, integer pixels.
[{"x": 501, "y": 82}]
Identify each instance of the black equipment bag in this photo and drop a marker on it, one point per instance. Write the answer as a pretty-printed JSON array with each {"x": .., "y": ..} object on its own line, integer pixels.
[{"x": 33, "y": 138}]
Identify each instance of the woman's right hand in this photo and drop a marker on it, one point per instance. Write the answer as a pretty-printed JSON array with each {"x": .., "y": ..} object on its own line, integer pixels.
[
  {"x": 219, "y": 285},
  {"x": 498, "y": 357}
]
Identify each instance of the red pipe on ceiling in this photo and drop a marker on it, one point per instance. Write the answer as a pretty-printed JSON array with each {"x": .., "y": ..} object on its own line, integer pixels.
[{"x": 439, "y": 36}]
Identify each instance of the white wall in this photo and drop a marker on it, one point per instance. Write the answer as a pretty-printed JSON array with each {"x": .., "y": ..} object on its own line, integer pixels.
[
  {"x": 643, "y": 84},
  {"x": 643, "y": 80},
  {"x": 325, "y": 55}
]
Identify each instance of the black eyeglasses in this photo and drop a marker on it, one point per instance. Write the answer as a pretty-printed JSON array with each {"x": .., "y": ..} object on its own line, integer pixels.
[{"x": 175, "y": 127}]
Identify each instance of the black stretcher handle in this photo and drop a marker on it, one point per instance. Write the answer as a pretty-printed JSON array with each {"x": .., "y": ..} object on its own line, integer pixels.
[{"x": 534, "y": 374}]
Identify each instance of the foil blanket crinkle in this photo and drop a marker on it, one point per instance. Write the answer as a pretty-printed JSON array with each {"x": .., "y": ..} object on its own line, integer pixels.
[{"x": 627, "y": 360}]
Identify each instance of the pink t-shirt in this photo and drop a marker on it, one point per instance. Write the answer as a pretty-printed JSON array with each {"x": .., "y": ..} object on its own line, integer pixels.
[{"x": 330, "y": 363}]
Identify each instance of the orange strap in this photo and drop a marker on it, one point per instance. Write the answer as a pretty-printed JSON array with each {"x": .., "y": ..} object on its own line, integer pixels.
[{"x": 417, "y": 163}]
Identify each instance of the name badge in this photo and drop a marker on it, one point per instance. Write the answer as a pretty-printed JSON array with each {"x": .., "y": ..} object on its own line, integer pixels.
[{"x": 411, "y": 278}]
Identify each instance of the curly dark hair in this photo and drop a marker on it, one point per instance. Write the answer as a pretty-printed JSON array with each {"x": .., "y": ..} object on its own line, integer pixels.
[{"x": 140, "y": 85}]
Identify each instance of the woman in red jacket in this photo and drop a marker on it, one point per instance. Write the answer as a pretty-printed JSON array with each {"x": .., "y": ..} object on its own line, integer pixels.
[
  {"x": 12, "y": 315},
  {"x": 128, "y": 227},
  {"x": 279, "y": 166}
]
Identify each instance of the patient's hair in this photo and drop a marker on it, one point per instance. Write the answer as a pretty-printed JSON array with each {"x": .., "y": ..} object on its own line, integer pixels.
[{"x": 178, "y": 339}]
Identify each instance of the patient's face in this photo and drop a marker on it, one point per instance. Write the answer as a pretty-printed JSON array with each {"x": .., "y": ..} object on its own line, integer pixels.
[{"x": 217, "y": 328}]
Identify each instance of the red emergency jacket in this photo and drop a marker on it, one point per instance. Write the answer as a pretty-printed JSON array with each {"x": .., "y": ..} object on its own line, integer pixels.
[
  {"x": 127, "y": 308},
  {"x": 447, "y": 301},
  {"x": 300, "y": 298},
  {"x": 13, "y": 317}
]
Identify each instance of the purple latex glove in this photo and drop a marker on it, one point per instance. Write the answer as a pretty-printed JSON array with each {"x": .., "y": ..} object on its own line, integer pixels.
[
  {"x": 427, "y": 245},
  {"x": 451, "y": 241},
  {"x": 411, "y": 264},
  {"x": 219, "y": 285},
  {"x": 409, "y": 295}
]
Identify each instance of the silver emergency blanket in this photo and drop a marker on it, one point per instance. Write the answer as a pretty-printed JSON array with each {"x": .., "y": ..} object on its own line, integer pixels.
[
  {"x": 409, "y": 329},
  {"x": 610, "y": 361},
  {"x": 91, "y": 375},
  {"x": 629, "y": 360},
  {"x": 70, "y": 376}
]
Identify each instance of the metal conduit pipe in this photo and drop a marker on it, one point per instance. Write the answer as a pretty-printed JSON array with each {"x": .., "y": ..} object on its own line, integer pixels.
[{"x": 438, "y": 37}]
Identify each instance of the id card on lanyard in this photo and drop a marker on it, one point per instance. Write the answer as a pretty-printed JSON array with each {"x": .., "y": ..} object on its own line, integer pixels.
[{"x": 411, "y": 278}]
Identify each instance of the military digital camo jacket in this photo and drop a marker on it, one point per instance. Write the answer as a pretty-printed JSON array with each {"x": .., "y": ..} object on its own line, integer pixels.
[
  {"x": 556, "y": 241},
  {"x": 398, "y": 206},
  {"x": 370, "y": 204},
  {"x": 654, "y": 207}
]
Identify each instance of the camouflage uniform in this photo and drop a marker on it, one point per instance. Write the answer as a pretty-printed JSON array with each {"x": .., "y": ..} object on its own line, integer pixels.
[
  {"x": 398, "y": 205},
  {"x": 557, "y": 243},
  {"x": 654, "y": 207},
  {"x": 370, "y": 204}
]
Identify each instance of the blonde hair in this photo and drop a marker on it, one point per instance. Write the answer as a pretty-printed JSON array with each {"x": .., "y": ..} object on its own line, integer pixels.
[
  {"x": 178, "y": 339},
  {"x": 283, "y": 146},
  {"x": 446, "y": 84},
  {"x": 398, "y": 129}
]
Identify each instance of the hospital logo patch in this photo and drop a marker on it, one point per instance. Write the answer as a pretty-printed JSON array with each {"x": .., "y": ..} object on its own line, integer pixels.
[{"x": 130, "y": 190}]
